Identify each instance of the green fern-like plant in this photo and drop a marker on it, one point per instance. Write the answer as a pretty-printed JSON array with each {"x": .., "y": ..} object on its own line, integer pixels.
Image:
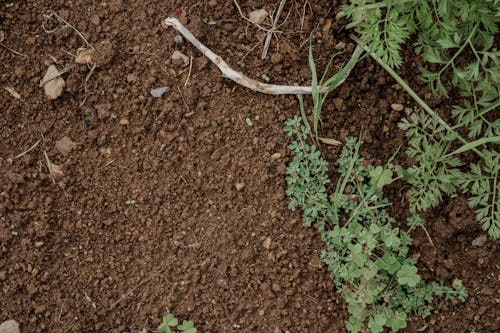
[{"x": 457, "y": 37}]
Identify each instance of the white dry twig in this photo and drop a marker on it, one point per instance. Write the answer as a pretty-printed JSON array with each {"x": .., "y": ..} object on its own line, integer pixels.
[
  {"x": 269, "y": 36},
  {"x": 27, "y": 150},
  {"x": 61, "y": 20},
  {"x": 240, "y": 78}
]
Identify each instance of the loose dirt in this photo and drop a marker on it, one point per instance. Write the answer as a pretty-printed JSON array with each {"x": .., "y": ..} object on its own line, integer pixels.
[{"x": 176, "y": 202}]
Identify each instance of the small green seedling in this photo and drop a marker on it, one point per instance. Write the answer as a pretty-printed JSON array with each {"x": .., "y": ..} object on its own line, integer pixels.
[
  {"x": 367, "y": 256},
  {"x": 170, "y": 324}
]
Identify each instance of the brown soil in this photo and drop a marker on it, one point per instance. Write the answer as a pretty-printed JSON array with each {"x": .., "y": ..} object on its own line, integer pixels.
[{"x": 147, "y": 214}]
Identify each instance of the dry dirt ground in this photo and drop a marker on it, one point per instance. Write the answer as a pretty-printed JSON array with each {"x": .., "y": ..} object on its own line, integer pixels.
[{"x": 146, "y": 214}]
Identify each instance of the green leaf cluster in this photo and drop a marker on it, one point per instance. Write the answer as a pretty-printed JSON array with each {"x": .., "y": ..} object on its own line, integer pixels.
[
  {"x": 456, "y": 39},
  {"x": 366, "y": 255},
  {"x": 457, "y": 36},
  {"x": 439, "y": 171},
  {"x": 170, "y": 324}
]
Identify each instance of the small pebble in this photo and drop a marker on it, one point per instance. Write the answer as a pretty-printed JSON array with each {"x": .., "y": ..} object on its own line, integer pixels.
[
  {"x": 239, "y": 186},
  {"x": 178, "y": 40},
  {"x": 10, "y": 326},
  {"x": 267, "y": 243},
  {"x": 275, "y": 156},
  {"x": 180, "y": 59},
  {"x": 247, "y": 254},
  {"x": 222, "y": 283},
  {"x": 258, "y": 16},
  {"x": 124, "y": 122},
  {"x": 480, "y": 241},
  {"x": 131, "y": 77},
  {"x": 397, "y": 107},
  {"x": 488, "y": 291},
  {"x": 158, "y": 92},
  {"x": 340, "y": 46}
]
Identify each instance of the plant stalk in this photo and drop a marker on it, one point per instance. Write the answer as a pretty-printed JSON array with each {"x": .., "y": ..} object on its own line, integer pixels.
[{"x": 415, "y": 96}]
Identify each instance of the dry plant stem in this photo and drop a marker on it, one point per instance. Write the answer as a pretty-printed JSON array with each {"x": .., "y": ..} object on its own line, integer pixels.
[
  {"x": 189, "y": 71},
  {"x": 182, "y": 97},
  {"x": 49, "y": 167},
  {"x": 428, "y": 236},
  {"x": 247, "y": 19},
  {"x": 75, "y": 29},
  {"x": 270, "y": 33},
  {"x": 14, "y": 51},
  {"x": 87, "y": 77},
  {"x": 240, "y": 78},
  {"x": 28, "y": 150}
]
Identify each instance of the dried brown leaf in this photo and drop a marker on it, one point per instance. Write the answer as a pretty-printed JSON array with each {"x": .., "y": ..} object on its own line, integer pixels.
[{"x": 331, "y": 142}]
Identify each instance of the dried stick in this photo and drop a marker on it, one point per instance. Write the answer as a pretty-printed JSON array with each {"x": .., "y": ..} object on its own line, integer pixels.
[
  {"x": 270, "y": 33},
  {"x": 28, "y": 150},
  {"x": 60, "y": 19},
  {"x": 242, "y": 79},
  {"x": 14, "y": 51}
]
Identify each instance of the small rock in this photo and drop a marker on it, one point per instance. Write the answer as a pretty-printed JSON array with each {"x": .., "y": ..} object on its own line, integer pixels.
[
  {"x": 167, "y": 137},
  {"x": 158, "y": 92},
  {"x": 339, "y": 103},
  {"x": 103, "y": 111},
  {"x": 84, "y": 57},
  {"x": 258, "y": 16},
  {"x": 56, "y": 171},
  {"x": 267, "y": 243},
  {"x": 108, "y": 222},
  {"x": 131, "y": 77},
  {"x": 261, "y": 312},
  {"x": 239, "y": 186},
  {"x": 276, "y": 287},
  {"x": 95, "y": 20},
  {"x": 3, "y": 275},
  {"x": 480, "y": 241},
  {"x": 178, "y": 40},
  {"x": 275, "y": 156},
  {"x": 105, "y": 52},
  {"x": 2, "y": 36},
  {"x": 340, "y": 46},
  {"x": 180, "y": 59},
  {"x": 65, "y": 145},
  {"x": 487, "y": 290},
  {"x": 124, "y": 122},
  {"x": 482, "y": 310},
  {"x": 247, "y": 254},
  {"x": 40, "y": 309},
  {"x": 10, "y": 326},
  {"x": 276, "y": 58},
  {"x": 222, "y": 283},
  {"x": 53, "y": 88},
  {"x": 397, "y": 107}
]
